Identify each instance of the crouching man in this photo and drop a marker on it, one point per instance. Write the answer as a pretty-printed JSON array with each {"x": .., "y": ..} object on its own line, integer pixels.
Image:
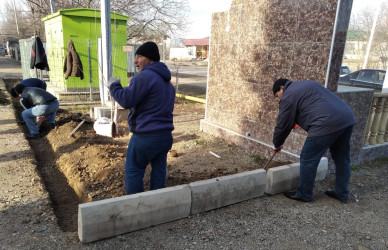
[{"x": 36, "y": 102}]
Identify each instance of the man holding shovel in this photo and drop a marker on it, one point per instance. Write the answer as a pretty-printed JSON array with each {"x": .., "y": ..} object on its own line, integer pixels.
[
  {"x": 329, "y": 122},
  {"x": 150, "y": 97}
]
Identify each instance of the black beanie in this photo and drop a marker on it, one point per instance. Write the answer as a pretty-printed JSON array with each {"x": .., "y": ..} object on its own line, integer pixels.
[
  {"x": 278, "y": 83},
  {"x": 149, "y": 50},
  {"x": 13, "y": 92},
  {"x": 19, "y": 89}
]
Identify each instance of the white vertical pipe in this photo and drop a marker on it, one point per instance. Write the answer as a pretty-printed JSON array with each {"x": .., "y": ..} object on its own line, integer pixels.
[
  {"x": 371, "y": 37},
  {"x": 385, "y": 84},
  {"x": 332, "y": 44},
  {"x": 103, "y": 89}
]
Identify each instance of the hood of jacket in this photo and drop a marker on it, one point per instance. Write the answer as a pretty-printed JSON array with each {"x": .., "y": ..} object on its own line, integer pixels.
[
  {"x": 159, "y": 68},
  {"x": 70, "y": 45}
]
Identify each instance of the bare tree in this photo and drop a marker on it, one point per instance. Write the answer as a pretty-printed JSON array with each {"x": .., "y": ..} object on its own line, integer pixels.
[
  {"x": 16, "y": 23},
  {"x": 360, "y": 28},
  {"x": 380, "y": 44},
  {"x": 152, "y": 19},
  {"x": 149, "y": 19}
]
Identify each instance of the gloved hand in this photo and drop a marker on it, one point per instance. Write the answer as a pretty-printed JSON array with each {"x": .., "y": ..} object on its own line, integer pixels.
[
  {"x": 112, "y": 80},
  {"x": 277, "y": 150}
]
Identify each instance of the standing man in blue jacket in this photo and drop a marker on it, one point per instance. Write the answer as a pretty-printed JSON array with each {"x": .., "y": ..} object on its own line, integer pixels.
[
  {"x": 329, "y": 122},
  {"x": 150, "y": 97}
]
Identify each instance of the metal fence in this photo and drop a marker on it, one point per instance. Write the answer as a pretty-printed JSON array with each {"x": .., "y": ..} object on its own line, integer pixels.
[
  {"x": 76, "y": 89},
  {"x": 25, "y": 46}
]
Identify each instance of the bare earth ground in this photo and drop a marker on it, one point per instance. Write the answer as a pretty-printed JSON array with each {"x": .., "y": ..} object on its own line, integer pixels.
[{"x": 91, "y": 167}]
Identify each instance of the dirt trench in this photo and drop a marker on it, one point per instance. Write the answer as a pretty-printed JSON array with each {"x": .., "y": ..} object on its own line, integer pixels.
[{"x": 88, "y": 167}]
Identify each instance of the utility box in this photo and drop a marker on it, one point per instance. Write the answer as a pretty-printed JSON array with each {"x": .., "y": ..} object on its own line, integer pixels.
[{"x": 83, "y": 27}]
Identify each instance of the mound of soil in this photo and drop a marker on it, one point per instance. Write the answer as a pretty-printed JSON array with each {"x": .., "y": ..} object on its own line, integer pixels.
[{"x": 88, "y": 167}]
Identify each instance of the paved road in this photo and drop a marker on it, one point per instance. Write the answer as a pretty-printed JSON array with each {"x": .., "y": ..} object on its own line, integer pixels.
[
  {"x": 189, "y": 74},
  {"x": 187, "y": 70},
  {"x": 10, "y": 69}
]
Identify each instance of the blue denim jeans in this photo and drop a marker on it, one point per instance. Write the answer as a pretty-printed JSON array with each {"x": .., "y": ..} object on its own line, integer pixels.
[
  {"x": 313, "y": 149},
  {"x": 48, "y": 110},
  {"x": 141, "y": 151}
]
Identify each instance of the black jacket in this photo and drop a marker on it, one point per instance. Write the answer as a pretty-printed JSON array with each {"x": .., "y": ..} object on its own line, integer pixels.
[
  {"x": 38, "y": 56},
  {"x": 314, "y": 108},
  {"x": 32, "y": 97}
]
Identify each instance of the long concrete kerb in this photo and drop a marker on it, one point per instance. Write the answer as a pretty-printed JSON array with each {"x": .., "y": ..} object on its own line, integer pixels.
[
  {"x": 283, "y": 178},
  {"x": 107, "y": 218},
  {"x": 222, "y": 191}
]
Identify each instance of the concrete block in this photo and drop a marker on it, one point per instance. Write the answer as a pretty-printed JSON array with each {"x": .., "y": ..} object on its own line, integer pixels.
[
  {"x": 284, "y": 178},
  {"x": 323, "y": 167},
  {"x": 107, "y": 218},
  {"x": 222, "y": 191}
]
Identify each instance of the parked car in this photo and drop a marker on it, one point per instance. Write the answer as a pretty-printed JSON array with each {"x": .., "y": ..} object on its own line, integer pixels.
[
  {"x": 345, "y": 70},
  {"x": 2, "y": 50},
  {"x": 369, "y": 78}
]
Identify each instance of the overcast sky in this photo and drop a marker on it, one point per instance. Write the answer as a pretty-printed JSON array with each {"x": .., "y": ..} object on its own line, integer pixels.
[{"x": 201, "y": 11}]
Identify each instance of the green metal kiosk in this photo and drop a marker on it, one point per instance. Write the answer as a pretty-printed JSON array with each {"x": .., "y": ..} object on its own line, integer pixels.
[{"x": 83, "y": 27}]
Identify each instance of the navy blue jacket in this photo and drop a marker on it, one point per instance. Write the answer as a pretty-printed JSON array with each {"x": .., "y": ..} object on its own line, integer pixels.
[
  {"x": 151, "y": 98},
  {"x": 34, "y": 82},
  {"x": 314, "y": 108}
]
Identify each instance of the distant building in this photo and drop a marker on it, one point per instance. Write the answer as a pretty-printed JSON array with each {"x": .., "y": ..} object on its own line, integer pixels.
[
  {"x": 356, "y": 47},
  {"x": 200, "y": 47}
]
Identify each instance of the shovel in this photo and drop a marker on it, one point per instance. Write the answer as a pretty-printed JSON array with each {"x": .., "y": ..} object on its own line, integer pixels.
[
  {"x": 108, "y": 127},
  {"x": 267, "y": 165}
]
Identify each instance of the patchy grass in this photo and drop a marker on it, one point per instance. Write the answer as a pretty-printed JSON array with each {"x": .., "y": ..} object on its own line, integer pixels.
[{"x": 256, "y": 158}]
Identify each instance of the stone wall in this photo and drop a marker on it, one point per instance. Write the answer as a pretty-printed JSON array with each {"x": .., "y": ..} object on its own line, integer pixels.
[{"x": 259, "y": 41}]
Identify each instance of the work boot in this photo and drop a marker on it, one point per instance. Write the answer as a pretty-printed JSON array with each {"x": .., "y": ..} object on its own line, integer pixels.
[
  {"x": 292, "y": 195},
  {"x": 33, "y": 137},
  {"x": 333, "y": 195}
]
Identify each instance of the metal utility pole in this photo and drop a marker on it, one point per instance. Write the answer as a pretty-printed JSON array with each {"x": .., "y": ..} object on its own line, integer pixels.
[
  {"x": 106, "y": 40},
  {"x": 106, "y": 37},
  {"x": 385, "y": 84},
  {"x": 16, "y": 18},
  {"x": 371, "y": 37},
  {"x": 52, "y": 5}
]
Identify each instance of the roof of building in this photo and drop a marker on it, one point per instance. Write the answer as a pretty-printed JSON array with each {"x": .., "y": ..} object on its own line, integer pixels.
[
  {"x": 196, "y": 42},
  {"x": 84, "y": 12}
]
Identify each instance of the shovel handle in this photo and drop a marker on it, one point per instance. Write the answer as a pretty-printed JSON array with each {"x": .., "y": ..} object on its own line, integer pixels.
[{"x": 266, "y": 165}]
